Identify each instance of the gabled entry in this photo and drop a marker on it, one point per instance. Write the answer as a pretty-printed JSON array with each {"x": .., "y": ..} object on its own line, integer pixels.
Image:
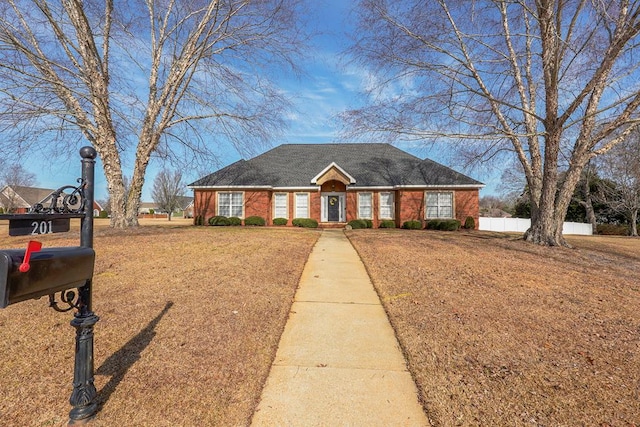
[
  {"x": 333, "y": 181},
  {"x": 333, "y": 172}
]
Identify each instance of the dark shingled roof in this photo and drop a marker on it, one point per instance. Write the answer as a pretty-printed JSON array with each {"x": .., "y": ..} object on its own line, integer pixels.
[
  {"x": 371, "y": 165},
  {"x": 31, "y": 195}
]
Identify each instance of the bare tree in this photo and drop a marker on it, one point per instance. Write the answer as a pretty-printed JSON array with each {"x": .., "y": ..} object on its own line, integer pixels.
[
  {"x": 551, "y": 83},
  {"x": 142, "y": 78},
  {"x": 168, "y": 189},
  {"x": 621, "y": 166},
  {"x": 496, "y": 206},
  {"x": 588, "y": 192},
  {"x": 12, "y": 176}
]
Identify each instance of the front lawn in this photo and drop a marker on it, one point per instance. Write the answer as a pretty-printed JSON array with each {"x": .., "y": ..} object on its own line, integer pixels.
[
  {"x": 500, "y": 332},
  {"x": 190, "y": 318}
]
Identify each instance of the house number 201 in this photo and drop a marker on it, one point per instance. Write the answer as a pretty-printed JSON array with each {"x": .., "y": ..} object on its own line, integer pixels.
[
  {"x": 34, "y": 227},
  {"x": 42, "y": 227}
]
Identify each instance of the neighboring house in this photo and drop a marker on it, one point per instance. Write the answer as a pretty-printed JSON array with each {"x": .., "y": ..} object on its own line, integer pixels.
[
  {"x": 18, "y": 199},
  {"x": 185, "y": 207},
  {"x": 147, "y": 207},
  {"x": 97, "y": 209},
  {"x": 335, "y": 183}
]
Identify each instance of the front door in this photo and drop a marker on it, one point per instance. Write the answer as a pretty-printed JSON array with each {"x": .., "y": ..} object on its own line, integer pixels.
[{"x": 333, "y": 206}]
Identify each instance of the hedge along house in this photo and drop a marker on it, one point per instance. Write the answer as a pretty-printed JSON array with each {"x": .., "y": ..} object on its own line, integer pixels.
[{"x": 335, "y": 183}]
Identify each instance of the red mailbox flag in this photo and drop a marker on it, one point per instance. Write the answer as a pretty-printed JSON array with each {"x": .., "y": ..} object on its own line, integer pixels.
[{"x": 33, "y": 246}]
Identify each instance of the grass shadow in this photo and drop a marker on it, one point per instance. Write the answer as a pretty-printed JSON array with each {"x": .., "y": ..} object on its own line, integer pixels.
[{"x": 117, "y": 365}]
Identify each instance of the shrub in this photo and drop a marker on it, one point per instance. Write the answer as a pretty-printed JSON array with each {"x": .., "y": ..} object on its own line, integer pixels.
[
  {"x": 612, "y": 229},
  {"x": 199, "y": 220},
  {"x": 255, "y": 220},
  {"x": 152, "y": 211},
  {"x": 451, "y": 225},
  {"x": 369, "y": 223},
  {"x": 433, "y": 224},
  {"x": 235, "y": 221},
  {"x": 280, "y": 221},
  {"x": 412, "y": 225},
  {"x": 470, "y": 223},
  {"x": 219, "y": 221},
  {"x": 305, "y": 222},
  {"x": 443, "y": 224},
  {"x": 387, "y": 223},
  {"x": 358, "y": 224},
  {"x": 103, "y": 214}
]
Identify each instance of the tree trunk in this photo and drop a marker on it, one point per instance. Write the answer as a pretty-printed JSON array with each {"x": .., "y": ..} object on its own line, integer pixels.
[
  {"x": 109, "y": 156},
  {"x": 547, "y": 219},
  {"x": 588, "y": 205},
  {"x": 634, "y": 223},
  {"x": 547, "y": 230}
]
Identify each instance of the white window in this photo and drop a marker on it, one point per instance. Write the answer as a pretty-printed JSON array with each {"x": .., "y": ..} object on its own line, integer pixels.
[
  {"x": 386, "y": 205},
  {"x": 230, "y": 203},
  {"x": 302, "y": 205},
  {"x": 439, "y": 205},
  {"x": 280, "y": 209},
  {"x": 365, "y": 209}
]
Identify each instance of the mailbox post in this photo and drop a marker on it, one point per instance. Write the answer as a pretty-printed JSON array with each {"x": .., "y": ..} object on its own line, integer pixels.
[
  {"x": 83, "y": 397},
  {"x": 38, "y": 272}
]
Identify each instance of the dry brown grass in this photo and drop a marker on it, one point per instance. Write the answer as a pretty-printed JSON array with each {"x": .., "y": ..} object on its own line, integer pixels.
[
  {"x": 190, "y": 319},
  {"x": 499, "y": 332}
]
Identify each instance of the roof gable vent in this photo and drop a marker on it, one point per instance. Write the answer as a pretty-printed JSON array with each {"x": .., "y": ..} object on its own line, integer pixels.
[{"x": 333, "y": 172}]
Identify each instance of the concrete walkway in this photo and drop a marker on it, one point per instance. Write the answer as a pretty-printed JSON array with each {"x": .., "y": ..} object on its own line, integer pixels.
[{"x": 338, "y": 361}]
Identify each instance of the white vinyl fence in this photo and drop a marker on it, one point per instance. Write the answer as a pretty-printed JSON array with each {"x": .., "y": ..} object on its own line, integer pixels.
[{"x": 520, "y": 225}]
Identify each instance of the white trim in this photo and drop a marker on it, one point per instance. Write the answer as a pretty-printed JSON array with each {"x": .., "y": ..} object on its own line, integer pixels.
[
  {"x": 352, "y": 180},
  {"x": 393, "y": 205},
  {"x": 427, "y": 187},
  {"x": 231, "y": 187},
  {"x": 314, "y": 188},
  {"x": 453, "y": 205},
  {"x": 24, "y": 204},
  {"x": 286, "y": 204},
  {"x": 299, "y": 189},
  {"x": 370, "y": 189},
  {"x": 295, "y": 204},
  {"x": 342, "y": 205},
  {"x": 218, "y": 193},
  {"x": 371, "y": 204},
  {"x": 414, "y": 187},
  {"x": 254, "y": 187}
]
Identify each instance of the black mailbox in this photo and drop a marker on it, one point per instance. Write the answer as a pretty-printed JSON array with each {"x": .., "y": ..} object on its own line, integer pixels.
[
  {"x": 51, "y": 270},
  {"x": 34, "y": 272}
]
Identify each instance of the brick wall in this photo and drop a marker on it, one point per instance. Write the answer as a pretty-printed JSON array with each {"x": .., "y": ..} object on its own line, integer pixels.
[
  {"x": 258, "y": 203},
  {"x": 409, "y": 206},
  {"x": 315, "y": 205},
  {"x": 467, "y": 203},
  {"x": 352, "y": 205},
  {"x": 204, "y": 204},
  {"x": 255, "y": 203}
]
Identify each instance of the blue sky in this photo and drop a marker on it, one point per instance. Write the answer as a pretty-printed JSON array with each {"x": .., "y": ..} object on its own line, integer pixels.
[{"x": 328, "y": 86}]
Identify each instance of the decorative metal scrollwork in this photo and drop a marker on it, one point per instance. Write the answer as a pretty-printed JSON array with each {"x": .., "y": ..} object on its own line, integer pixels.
[
  {"x": 67, "y": 199},
  {"x": 67, "y": 297}
]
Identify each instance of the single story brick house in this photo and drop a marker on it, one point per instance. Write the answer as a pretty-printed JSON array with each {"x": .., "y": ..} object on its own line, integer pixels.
[{"x": 335, "y": 183}]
